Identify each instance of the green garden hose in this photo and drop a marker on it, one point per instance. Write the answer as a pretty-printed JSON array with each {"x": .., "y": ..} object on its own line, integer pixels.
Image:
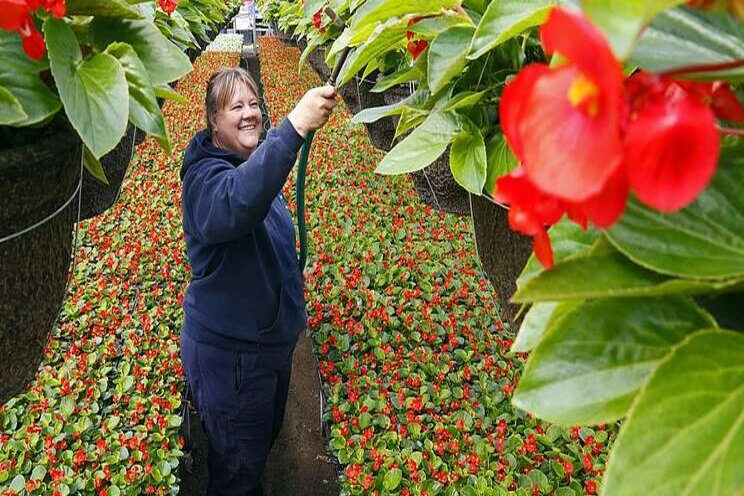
[{"x": 302, "y": 168}]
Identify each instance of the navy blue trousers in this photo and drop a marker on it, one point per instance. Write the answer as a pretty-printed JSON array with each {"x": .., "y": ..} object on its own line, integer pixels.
[{"x": 241, "y": 397}]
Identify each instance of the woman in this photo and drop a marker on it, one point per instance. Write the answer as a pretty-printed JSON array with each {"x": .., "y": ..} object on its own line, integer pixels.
[{"x": 244, "y": 307}]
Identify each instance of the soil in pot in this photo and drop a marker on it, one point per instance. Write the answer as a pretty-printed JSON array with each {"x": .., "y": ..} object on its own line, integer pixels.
[
  {"x": 503, "y": 252},
  {"x": 98, "y": 196},
  {"x": 38, "y": 179}
]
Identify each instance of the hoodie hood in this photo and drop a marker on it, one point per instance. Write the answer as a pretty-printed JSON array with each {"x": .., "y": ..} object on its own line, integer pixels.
[{"x": 201, "y": 147}]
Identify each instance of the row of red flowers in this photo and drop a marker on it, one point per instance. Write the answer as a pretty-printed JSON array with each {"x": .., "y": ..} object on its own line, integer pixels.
[
  {"x": 414, "y": 358},
  {"x": 102, "y": 416}
]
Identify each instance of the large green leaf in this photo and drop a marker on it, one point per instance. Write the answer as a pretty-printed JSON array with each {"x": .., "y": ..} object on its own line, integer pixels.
[
  {"x": 506, "y": 19},
  {"x": 423, "y": 146},
  {"x": 374, "y": 11},
  {"x": 501, "y": 161},
  {"x": 384, "y": 38},
  {"x": 93, "y": 91},
  {"x": 37, "y": 100},
  {"x": 685, "y": 37},
  {"x": 468, "y": 159},
  {"x": 684, "y": 435},
  {"x": 14, "y": 59},
  {"x": 11, "y": 110},
  {"x": 703, "y": 241},
  {"x": 590, "y": 365},
  {"x": 375, "y": 113},
  {"x": 430, "y": 27},
  {"x": 622, "y": 20},
  {"x": 312, "y": 6},
  {"x": 447, "y": 56},
  {"x": 535, "y": 325},
  {"x": 144, "y": 111},
  {"x": 568, "y": 239},
  {"x": 162, "y": 59},
  {"x": 105, "y": 8},
  {"x": 608, "y": 274}
]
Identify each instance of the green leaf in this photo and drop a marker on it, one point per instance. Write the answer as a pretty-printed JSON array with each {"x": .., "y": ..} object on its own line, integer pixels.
[
  {"x": 144, "y": 111},
  {"x": 404, "y": 75},
  {"x": 14, "y": 59},
  {"x": 392, "y": 479},
  {"x": 374, "y": 11},
  {"x": 104, "y": 8},
  {"x": 468, "y": 159},
  {"x": 622, "y": 20},
  {"x": 500, "y": 159},
  {"x": 93, "y": 91},
  {"x": 703, "y": 241},
  {"x": 591, "y": 364},
  {"x": 168, "y": 93},
  {"x": 376, "y": 113},
  {"x": 67, "y": 406},
  {"x": 423, "y": 146},
  {"x": 10, "y": 108},
  {"x": 447, "y": 56},
  {"x": 383, "y": 39},
  {"x": 684, "y": 37},
  {"x": 608, "y": 275},
  {"x": 430, "y": 27},
  {"x": 685, "y": 432},
  {"x": 312, "y": 6},
  {"x": 38, "y": 473},
  {"x": 535, "y": 325},
  {"x": 18, "y": 483},
  {"x": 504, "y": 20},
  {"x": 163, "y": 60},
  {"x": 37, "y": 100},
  {"x": 94, "y": 166},
  {"x": 568, "y": 239}
]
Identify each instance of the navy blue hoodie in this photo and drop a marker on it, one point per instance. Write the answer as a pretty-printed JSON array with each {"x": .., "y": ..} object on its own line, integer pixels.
[{"x": 246, "y": 287}]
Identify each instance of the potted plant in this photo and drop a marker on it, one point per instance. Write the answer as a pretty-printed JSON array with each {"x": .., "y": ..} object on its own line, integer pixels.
[{"x": 78, "y": 74}]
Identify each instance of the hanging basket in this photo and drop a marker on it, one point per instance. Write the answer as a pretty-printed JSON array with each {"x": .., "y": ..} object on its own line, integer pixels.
[
  {"x": 503, "y": 252},
  {"x": 39, "y": 179},
  {"x": 98, "y": 196}
]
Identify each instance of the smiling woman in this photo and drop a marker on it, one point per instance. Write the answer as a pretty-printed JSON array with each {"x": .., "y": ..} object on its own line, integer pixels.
[
  {"x": 244, "y": 307},
  {"x": 233, "y": 113}
]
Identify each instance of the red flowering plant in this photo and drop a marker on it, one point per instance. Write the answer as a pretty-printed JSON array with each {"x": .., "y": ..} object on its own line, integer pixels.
[
  {"x": 102, "y": 417},
  {"x": 413, "y": 356},
  {"x": 101, "y": 63}
]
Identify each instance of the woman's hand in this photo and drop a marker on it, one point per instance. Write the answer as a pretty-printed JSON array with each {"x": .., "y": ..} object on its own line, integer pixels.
[{"x": 313, "y": 110}]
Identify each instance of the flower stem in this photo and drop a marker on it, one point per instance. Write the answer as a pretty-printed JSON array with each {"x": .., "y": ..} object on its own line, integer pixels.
[
  {"x": 691, "y": 69},
  {"x": 731, "y": 131}
]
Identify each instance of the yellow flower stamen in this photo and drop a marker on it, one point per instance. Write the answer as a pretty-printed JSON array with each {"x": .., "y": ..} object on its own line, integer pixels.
[{"x": 583, "y": 93}]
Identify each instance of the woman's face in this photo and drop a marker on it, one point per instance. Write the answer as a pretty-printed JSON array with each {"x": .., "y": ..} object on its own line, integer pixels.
[{"x": 236, "y": 127}]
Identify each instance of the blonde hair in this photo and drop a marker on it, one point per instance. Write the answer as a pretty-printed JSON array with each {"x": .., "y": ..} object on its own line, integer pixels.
[{"x": 222, "y": 87}]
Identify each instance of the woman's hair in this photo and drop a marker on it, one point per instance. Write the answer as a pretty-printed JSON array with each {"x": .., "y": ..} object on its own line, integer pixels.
[{"x": 222, "y": 87}]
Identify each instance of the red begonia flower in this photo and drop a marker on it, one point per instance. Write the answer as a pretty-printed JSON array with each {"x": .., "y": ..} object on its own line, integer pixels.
[
  {"x": 33, "y": 42},
  {"x": 57, "y": 8},
  {"x": 604, "y": 208},
  {"x": 564, "y": 122},
  {"x": 14, "y": 13},
  {"x": 168, "y": 6},
  {"x": 318, "y": 18},
  {"x": 671, "y": 149},
  {"x": 530, "y": 211},
  {"x": 416, "y": 47},
  {"x": 725, "y": 105}
]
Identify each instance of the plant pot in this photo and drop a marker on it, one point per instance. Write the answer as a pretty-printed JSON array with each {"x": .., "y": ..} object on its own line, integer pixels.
[
  {"x": 38, "y": 179},
  {"x": 99, "y": 197},
  {"x": 503, "y": 252}
]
